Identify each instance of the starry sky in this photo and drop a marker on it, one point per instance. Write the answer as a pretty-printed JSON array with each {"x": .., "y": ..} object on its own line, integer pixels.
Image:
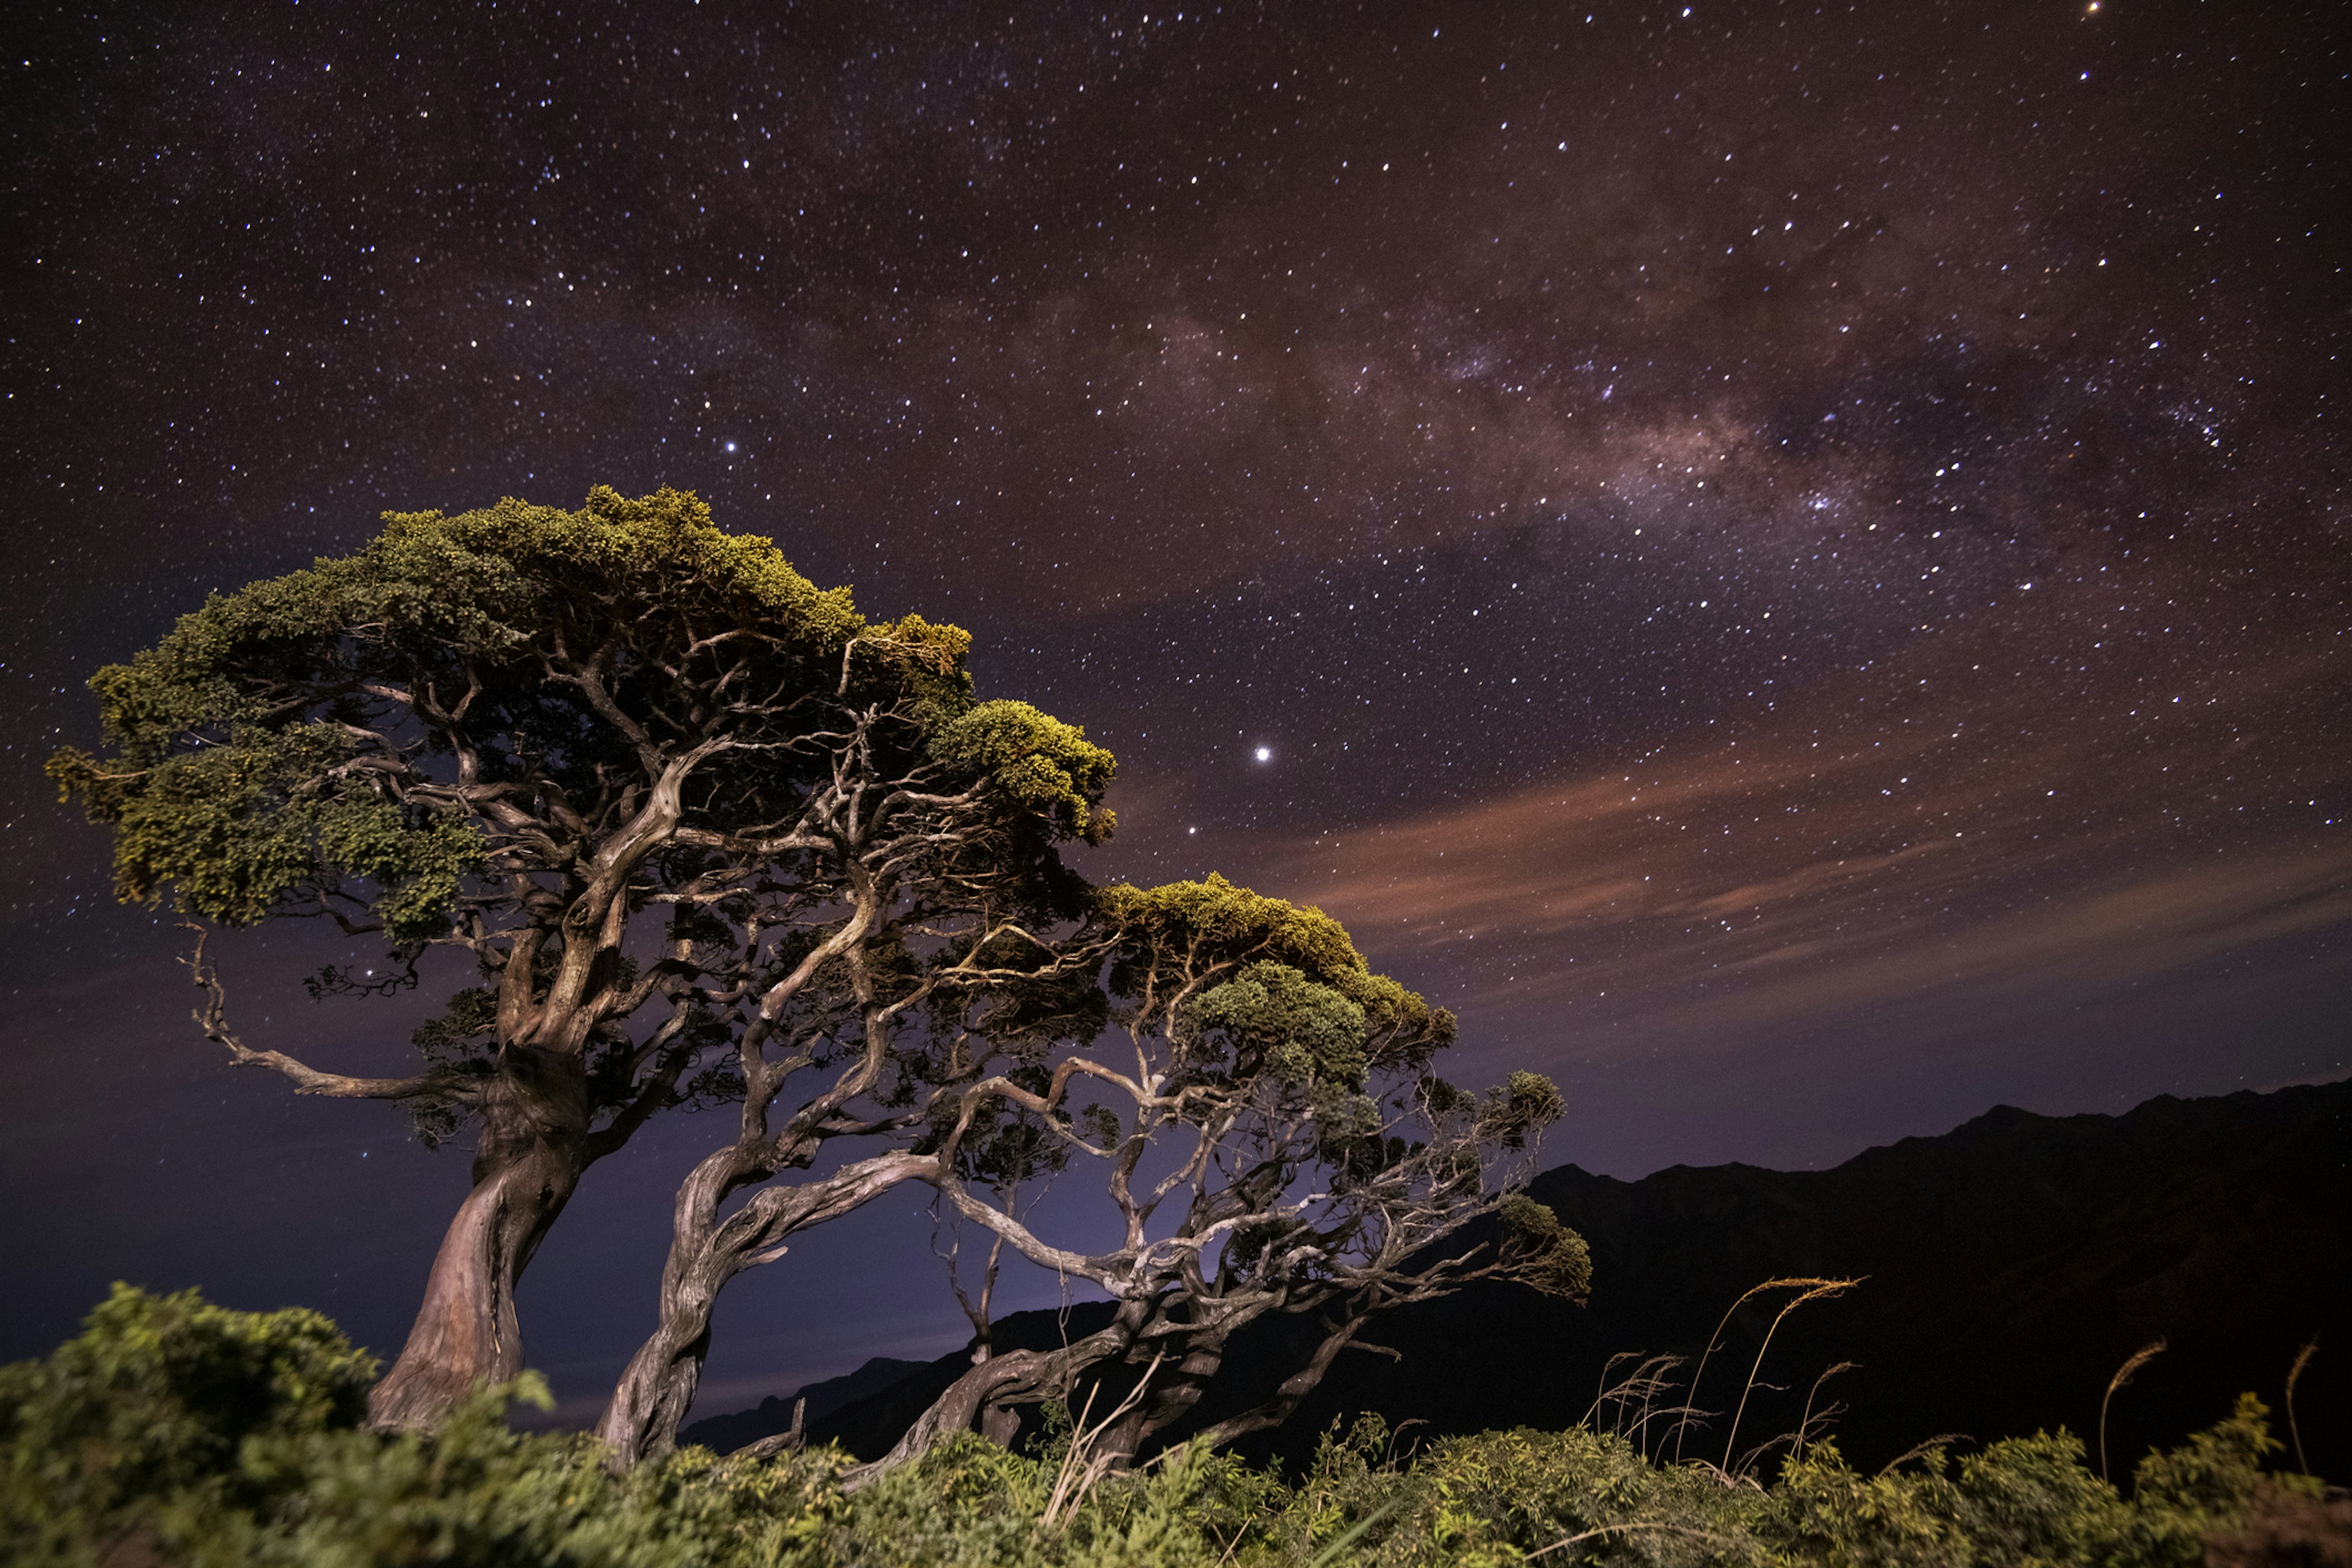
[{"x": 1786, "y": 561}]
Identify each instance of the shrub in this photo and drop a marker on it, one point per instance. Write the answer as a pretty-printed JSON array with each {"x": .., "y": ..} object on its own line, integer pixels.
[
  {"x": 173, "y": 1432},
  {"x": 152, "y": 1407}
]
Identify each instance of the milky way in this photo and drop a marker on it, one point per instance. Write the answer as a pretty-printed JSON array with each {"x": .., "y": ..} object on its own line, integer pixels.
[{"x": 1787, "y": 561}]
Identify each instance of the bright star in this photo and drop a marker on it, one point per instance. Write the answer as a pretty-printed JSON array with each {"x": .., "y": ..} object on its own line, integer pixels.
[{"x": 1266, "y": 753}]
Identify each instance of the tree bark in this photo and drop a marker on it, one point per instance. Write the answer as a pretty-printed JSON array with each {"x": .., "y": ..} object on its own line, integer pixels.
[
  {"x": 1000, "y": 1424},
  {"x": 526, "y": 1166},
  {"x": 657, "y": 1388},
  {"x": 1292, "y": 1390},
  {"x": 1014, "y": 1377},
  {"x": 656, "y": 1391},
  {"x": 1173, "y": 1395}
]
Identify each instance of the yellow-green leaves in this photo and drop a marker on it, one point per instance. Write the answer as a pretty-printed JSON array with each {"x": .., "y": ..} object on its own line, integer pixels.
[
  {"x": 1271, "y": 1020},
  {"x": 1200, "y": 931},
  {"x": 661, "y": 548},
  {"x": 159, "y": 1394},
  {"x": 1037, "y": 761},
  {"x": 234, "y": 828},
  {"x": 1549, "y": 1256},
  {"x": 1524, "y": 1104},
  {"x": 1222, "y": 923},
  {"x": 303, "y": 732},
  {"x": 922, "y": 660},
  {"x": 418, "y": 861}
]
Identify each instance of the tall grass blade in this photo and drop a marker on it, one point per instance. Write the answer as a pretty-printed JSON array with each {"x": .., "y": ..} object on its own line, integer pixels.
[
  {"x": 1601, "y": 1390},
  {"x": 2294, "y": 1375},
  {"x": 1752, "y": 1292},
  {"x": 1935, "y": 1445},
  {"x": 1805, "y": 1421},
  {"x": 1347, "y": 1538},
  {"x": 2138, "y": 1359},
  {"x": 1820, "y": 1288}
]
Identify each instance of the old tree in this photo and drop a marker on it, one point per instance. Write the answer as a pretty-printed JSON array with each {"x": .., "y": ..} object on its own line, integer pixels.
[
  {"x": 553, "y": 741},
  {"x": 700, "y": 832}
]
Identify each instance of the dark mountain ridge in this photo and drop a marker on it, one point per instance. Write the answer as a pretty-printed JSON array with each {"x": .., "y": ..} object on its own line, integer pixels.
[
  {"x": 774, "y": 1414},
  {"x": 2009, "y": 1267}
]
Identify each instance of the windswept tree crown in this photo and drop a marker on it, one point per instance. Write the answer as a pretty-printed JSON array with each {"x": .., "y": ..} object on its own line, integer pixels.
[
  {"x": 1172, "y": 942},
  {"x": 500, "y": 689}
]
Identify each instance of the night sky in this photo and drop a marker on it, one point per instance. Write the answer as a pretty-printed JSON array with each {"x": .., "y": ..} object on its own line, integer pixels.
[{"x": 1787, "y": 561}]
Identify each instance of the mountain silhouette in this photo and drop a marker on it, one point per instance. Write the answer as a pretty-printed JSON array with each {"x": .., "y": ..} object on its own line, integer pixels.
[
  {"x": 774, "y": 1414},
  {"x": 2007, "y": 1268}
]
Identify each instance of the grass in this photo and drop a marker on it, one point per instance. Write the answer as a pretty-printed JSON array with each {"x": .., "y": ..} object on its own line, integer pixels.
[
  {"x": 1821, "y": 1289},
  {"x": 2294, "y": 1375},
  {"x": 2132, "y": 1363},
  {"x": 1713, "y": 1341}
]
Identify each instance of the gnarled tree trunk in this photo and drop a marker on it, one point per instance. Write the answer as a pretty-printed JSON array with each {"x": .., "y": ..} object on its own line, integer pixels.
[
  {"x": 1294, "y": 1388},
  {"x": 528, "y": 1161},
  {"x": 1013, "y": 1377},
  {"x": 656, "y": 1391},
  {"x": 1172, "y": 1395},
  {"x": 657, "y": 1388}
]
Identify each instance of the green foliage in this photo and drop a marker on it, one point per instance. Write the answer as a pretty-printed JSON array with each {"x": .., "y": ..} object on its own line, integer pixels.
[
  {"x": 1271, "y": 1020},
  {"x": 475, "y": 1493},
  {"x": 231, "y": 780},
  {"x": 1522, "y": 1105},
  {"x": 2204, "y": 1486},
  {"x": 1495, "y": 1497},
  {"x": 1037, "y": 761},
  {"x": 280, "y": 742},
  {"x": 210, "y": 1437},
  {"x": 157, "y": 1400},
  {"x": 233, "y": 828},
  {"x": 1555, "y": 1260},
  {"x": 2029, "y": 1500},
  {"x": 1198, "y": 930}
]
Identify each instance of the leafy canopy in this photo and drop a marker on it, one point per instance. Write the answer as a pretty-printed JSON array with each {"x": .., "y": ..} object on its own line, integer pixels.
[
  {"x": 1172, "y": 938},
  {"x": 492, "y": 690},
  {"x": 1271, "y": 1020}
]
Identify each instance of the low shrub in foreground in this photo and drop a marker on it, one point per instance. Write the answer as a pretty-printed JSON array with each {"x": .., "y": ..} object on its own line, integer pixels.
[{"x": 176, "y": 1432}]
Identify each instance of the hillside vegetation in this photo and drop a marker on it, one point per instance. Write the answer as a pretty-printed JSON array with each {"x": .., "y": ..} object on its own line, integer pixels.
[{"x": 177, "y": 1432}]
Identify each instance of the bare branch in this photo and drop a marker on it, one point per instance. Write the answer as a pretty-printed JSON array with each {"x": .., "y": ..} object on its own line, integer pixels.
[{"x": 211, "y": 1016}]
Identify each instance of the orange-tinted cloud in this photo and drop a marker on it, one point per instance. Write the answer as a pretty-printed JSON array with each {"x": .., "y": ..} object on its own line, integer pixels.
[{"x": 1776, "y": 881}]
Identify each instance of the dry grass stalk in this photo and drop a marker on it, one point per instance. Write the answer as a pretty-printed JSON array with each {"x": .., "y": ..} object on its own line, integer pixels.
[
  {"x": 1643, "y": 1385},
  {"x": 1600, "y": 1530},
  {"x": 1654, "y": 1385},
  {"x": 2138, "y": 1359},
  {"x": 1792, "y": 1284},
  {"x": 1081, "y": 1468},
  {"x": 1805, "y": 1423},
  {"x": 1684, "y": 1411},
  {"x": 1650, "y": 1380},
  {"x": 1601, "y": 1390},
  {"x": 2294, "y": 1375},
  {"x": 1817, "y": 1290},
  {"x": 1755, "y": 1456},
  {"x": 1389, "y": 1457},
  {"x": 1925, "y": 1446}
]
